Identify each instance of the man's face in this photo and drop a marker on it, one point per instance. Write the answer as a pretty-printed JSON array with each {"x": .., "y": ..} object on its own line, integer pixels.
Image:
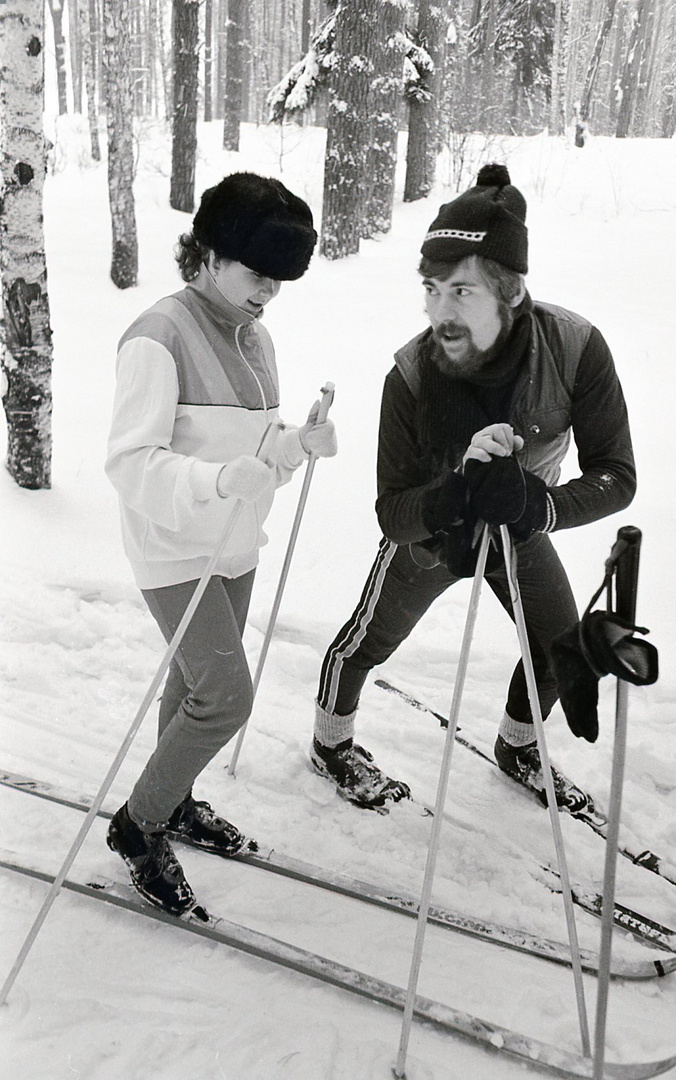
[
  {"x": 242, "y": 286},
  {"x": 469, "y": 321}
]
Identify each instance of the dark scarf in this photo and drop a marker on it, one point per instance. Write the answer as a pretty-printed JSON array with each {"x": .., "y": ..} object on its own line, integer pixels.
[{"x": 451, "y": 410}]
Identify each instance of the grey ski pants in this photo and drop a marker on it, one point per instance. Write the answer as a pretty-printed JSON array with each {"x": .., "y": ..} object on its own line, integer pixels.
[
  {"x": 397, "y": 594},
  {"x": 207, "y": 695}
]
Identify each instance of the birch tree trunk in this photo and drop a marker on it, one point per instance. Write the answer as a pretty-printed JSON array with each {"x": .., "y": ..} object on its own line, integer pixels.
[
  {"x": 26, "y": 352},
  {"x": 117, "y": 64},
  {"x": 423, "y": 119},
  {"x": 348, "y": 128},
  {"x": 184, "y": 128}
]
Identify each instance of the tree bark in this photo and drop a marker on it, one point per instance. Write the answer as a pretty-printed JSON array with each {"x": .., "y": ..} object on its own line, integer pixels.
[
  {"x": 385, "y": 96},
  {"x": 234, "y": 70},
  {"x": 423, "y": 120},
  {"x": 348, "y": 129},
  {"x": 208, "y": 60},
  {"x": 56, "y": 9},
  {"x": 75, "y": 47},
  {"x": 117, "y": 63},
  {"x": 595, "y": 60},
  {"x": 632, "y": 67},
  {"x": 90, "y": 77},
  {"x": 26, "y": 359},
  {"x": 184, "y": 128},
  {"x": 555, "y": 117}
]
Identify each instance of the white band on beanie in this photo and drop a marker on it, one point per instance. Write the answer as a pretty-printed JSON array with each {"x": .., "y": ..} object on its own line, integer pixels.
[{"x": 455, "y": 234}]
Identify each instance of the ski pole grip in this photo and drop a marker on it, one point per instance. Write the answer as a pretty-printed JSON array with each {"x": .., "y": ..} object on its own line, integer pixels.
[
  {"x": 328, "y": 390},
  {"x": 628, "y": 545}
]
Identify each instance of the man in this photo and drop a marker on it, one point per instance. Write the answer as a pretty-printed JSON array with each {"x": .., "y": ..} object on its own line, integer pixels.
[{"x": 476, "y": 418}]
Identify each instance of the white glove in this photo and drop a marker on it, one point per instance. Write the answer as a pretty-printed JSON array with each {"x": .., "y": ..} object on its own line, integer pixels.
[
  {"x": 496, "y": 440},
  {"x": 318, "y": 439},
  {"x": 247, "y": 478}
]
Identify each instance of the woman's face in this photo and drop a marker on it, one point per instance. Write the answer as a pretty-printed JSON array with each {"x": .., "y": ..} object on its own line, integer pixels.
[{"x": 242, "y": 286}]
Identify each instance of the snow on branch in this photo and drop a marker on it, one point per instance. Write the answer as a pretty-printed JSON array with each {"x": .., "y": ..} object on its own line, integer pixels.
[{"x": 298, "y": 89}]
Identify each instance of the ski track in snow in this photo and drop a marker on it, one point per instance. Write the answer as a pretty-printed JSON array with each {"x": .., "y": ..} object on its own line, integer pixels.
[{"x": 106, "y": 996}]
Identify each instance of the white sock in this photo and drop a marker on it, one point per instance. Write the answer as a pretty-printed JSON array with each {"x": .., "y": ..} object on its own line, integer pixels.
[
  {"x": 515, "y": 732},
  {"x": 331, "y": 729}
]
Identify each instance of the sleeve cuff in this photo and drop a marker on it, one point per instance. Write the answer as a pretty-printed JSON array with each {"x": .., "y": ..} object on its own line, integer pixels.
[{"x": 204, "y": 479}]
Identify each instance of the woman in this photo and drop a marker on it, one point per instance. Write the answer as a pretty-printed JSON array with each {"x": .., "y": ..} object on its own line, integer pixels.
[{"x": 196, "y": 389}]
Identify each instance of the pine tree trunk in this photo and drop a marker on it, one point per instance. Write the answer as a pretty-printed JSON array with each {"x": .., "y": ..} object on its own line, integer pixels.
[
  {"x": 117, "y": 63},
  {"x": 348, "y": 129},
  {"x": 555, "y": 118},
  {"x": 26, "y": 358},
  {"x": 595, "y": 60},
  {"x": 234, "y": 68},
  {"x": 632, "y": 67},
  {"x": 208, "y": 60},
  {"x": 75, "y": 46},
  {"x": 385, "y": 96},
  {"x": 56, "y": 9},
  {"x": 90, "y": 77},
  {"x": 423, "y": 121},
  {"x": 184, "y": 130}
]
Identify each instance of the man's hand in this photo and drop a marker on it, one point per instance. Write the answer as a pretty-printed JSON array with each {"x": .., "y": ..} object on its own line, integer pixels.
[{"x": 496, "y": 440}]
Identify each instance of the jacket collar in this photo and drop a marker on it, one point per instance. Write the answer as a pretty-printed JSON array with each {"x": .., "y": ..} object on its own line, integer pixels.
[{"x": 217, "y": 304}]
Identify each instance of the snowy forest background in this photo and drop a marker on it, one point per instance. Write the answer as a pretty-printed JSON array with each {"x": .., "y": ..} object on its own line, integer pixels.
[{"x": 106, "y": 996}]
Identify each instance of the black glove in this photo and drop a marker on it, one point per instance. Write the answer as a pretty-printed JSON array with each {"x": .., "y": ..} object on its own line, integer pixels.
[
  {"x": 444, "y": 505},
  {"x": 455, "y": 530},
  {"x": 501, "y": 492},
  {"x": 600, "y": 644}
]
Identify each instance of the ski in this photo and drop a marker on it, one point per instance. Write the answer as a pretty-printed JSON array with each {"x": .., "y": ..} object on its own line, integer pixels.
[
  {"x": 508, "y": 937},
  {"x": 593, "y": 817},
  {"x": 492, "y": 1037}
]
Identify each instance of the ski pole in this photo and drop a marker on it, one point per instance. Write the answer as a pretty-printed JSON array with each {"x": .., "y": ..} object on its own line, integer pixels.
[
  {"x": 433, "y": 848},
  {"x": 327, "y": 393},
  {"x": 625, "y": 556},
  {"x": 538, "y": 723},
  {"x": 264, "y": 449}
]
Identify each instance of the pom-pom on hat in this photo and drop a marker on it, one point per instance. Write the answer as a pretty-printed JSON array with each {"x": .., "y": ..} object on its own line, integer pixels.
[
  {"x": 257, "y": 221},
  {"x": 488, "y": 220}
]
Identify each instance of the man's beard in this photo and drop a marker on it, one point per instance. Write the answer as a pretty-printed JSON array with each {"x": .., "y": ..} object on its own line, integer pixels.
[{"x": 472, "y": 359}]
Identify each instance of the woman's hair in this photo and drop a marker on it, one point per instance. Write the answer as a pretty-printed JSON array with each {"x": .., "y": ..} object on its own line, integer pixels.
[
  {"x": 507, "y": 283},
  {"x": 190, "y": 256}
]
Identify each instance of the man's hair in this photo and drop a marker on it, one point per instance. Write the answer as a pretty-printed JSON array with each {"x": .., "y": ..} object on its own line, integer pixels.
[{"x": 506, "y": 283}]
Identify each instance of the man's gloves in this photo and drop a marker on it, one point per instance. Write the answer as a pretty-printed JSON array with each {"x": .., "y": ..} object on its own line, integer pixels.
[
  {"x": 247, "y": 478},
  {"x": 500, "y": 491},
  {"x": 600, "y": 644},
  {"x": 503, "y": 493},
  {"x": 318, "y": 439}
]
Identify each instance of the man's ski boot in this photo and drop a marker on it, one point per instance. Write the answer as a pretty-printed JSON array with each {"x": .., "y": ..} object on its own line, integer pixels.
[
  {"x": 357, "y": 778},
  {"x": 523, "y": 764},
  {"x": 155, "y": 871},
  {"x": 197, "y": 823}
]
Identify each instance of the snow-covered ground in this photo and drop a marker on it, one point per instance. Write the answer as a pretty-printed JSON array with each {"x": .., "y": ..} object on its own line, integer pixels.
[{"x": 105, "y": 995}]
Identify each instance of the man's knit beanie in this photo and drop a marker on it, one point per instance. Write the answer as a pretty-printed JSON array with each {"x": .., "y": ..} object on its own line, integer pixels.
[
  {"x": 257, "y": 221},
  {"x": 488, "y": 220}
]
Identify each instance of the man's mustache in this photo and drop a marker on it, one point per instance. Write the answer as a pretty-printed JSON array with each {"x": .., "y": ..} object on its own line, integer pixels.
[{"x": 450, "y": 329}]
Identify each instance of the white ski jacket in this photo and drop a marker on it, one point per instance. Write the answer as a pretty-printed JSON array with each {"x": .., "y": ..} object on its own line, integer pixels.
[{"x": 196, "y": 387}]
